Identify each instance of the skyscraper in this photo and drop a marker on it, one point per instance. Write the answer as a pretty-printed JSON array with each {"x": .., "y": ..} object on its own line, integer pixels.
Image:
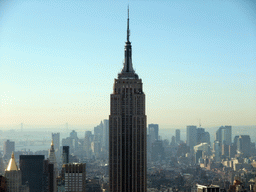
[
  {"x": 105, "y": 134},
  {"x": 31, "y": 167},
  {"x": 52, "y": 156},
  {"x": 224, "y": 135},
  {"x": 202, "y": 136},
  {"x": 13, "y": 176},
  {"x": 127, "y": 129},
  {"x": 52, "y": 159},
  {"x": 177, "y": 136},
  {"x": 75, "y": 176},
  {"x": 56, "y": 141},
  {"x": 244, "y": 145},
  {"x": 87, "y": 143},
  {"x": 191, "y": 136},
  {"x": 49, "y": 179},
  {"x": 9, "y": 147},
  {"x": 217, "y": 150},
  {"x": 153, "y": 130},
  {"x": 228, "y": 135},
  {"x": 157, "y": 151},
  {"x": 71, "y": 141},
  {"x": 65, "y": 155}
]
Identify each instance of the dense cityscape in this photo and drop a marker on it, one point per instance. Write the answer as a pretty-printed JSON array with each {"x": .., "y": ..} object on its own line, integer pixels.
[
  {"x": 124, "y": 152},
  {"x": 227, "y": 163}
]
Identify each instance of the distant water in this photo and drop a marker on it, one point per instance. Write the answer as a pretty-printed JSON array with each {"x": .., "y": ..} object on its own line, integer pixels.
[
  {"x": 33, "y": 140},
  {"x": 32, "y": 148}
]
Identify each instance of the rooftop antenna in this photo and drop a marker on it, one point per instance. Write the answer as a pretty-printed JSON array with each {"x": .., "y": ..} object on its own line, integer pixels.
[
  {"x": 128, "y": 29},
  {"x": 200, "y": 123}
]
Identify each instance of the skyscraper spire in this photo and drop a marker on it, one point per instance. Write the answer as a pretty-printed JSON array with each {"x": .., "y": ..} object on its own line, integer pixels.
[
  {"x": 128, "y": 30},
  {"x": 12, "y": 166},
  {"x": 127, "y": 129},
  {"x": 128, "y": 71},
  {"x": 52, "y": 156},
  {"x": 52, "y": 159}
]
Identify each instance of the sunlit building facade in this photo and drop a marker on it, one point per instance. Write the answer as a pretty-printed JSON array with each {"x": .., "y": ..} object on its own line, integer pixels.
[{"x": 13, "y": 176}]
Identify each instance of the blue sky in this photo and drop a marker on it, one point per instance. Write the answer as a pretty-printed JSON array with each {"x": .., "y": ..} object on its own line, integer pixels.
[{"x": 58, "y": 60}]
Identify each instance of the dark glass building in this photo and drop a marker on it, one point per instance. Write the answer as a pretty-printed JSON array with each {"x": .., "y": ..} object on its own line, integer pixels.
[
  {"x": 65, "y": 154},
  {"x": 31, "y": 167},
  {"x": 48, "y": 176}
]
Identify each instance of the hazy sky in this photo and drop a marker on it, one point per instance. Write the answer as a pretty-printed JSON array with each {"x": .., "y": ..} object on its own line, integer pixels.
[{"x": 58, "y": 60}]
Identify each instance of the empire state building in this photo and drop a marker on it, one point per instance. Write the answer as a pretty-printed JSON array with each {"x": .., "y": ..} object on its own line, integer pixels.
[{"x": 127, "y": 129}]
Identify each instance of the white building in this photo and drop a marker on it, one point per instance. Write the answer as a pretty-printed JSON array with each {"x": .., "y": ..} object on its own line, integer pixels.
[{"x": 204, "y": 147}]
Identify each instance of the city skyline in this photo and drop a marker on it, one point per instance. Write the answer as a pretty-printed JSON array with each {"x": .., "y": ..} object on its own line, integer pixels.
[{"x": 197, "y": 60}]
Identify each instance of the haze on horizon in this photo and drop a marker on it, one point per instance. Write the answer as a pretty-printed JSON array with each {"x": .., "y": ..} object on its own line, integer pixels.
[{"x": 196, "y": 59}]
